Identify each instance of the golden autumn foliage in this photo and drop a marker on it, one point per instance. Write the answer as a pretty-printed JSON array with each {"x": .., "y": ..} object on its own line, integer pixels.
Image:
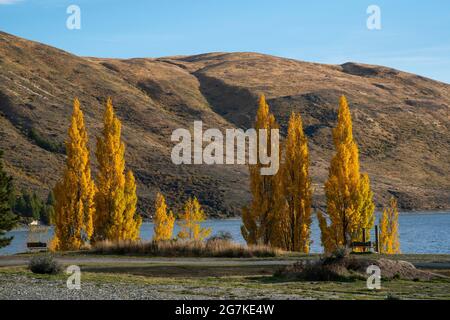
[
  {"x": 389, "y": 237},
  {"x": 366, "y": 208},
  {"x": 115, "y": 200},
  {"x": 74, "y": 193},
  {"x": 190, "y": 222},
  {"x": 293, "y": 215},
  {"x": 348, "y": 195},
  {"x": 163, "y": 221},
  {"x": 258, "y": 217},
  {"x": 279, "y": 214}
]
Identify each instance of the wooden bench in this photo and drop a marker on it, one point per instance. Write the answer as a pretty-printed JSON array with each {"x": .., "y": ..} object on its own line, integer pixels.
[
  {"x": 36, "y": 245},
  {"x": 367, "y": 246},
  {"x": 36, "y": 235}
]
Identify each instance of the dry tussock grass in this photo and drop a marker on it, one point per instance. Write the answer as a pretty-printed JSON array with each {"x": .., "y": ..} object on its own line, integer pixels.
[{"x": 211, "y": 248}]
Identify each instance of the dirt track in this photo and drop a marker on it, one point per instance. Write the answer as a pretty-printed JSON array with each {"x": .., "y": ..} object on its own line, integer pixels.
[{"x": 6, "y": 261}]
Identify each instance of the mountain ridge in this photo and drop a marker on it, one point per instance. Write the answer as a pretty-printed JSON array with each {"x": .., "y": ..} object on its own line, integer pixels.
[{"x": 401, "y": 120}]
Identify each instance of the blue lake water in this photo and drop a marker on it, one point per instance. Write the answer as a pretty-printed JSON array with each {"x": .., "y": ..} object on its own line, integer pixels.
[{"x": 420, "y": 232}]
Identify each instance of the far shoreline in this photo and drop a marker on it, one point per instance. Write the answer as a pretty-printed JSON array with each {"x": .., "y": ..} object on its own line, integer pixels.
[{"x": 404, "y": 212}]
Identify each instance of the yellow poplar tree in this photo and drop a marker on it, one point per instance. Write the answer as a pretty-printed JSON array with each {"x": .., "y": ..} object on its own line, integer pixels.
[
  {"x": 163, "y": 221},
  {"x": 258, "y": 217},
  {"x": 190, "y": 222},
  {"x": 116, "y": 199},
  {"x": 348, "y": 195},
  {"x": 366, "y": 208},
  {"x": 294, "y": 215},
  {"x": 130, "y": 228},
  {"x": 74, "y": 193},
  {"x": 389, "y": 238}
]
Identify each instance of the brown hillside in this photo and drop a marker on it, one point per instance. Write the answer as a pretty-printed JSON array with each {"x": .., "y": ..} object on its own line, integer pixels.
[{"x": 401, "y": 121}]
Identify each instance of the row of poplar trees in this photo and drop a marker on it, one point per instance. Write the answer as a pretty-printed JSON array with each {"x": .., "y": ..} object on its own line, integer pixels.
[
  {"x": 87, "y": 211},
  {"x": 280, "y": 213}
]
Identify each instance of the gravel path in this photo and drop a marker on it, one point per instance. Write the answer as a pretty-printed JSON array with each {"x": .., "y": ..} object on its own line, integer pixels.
[{"x": 21, "y": 287}]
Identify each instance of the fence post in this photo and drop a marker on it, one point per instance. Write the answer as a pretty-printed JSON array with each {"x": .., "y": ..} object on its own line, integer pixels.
[
  {"x": 364, "y": 238},
  {"x": 377, "y": 239}
]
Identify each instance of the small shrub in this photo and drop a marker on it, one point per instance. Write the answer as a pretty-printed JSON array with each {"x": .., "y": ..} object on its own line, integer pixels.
[
  {"x": 44, "y": 265},
  {"x": 317, "y": 271},
  {"x": 44, "y": 143},
  {"x": 340, "y": 255},
  {"x": 337, "y": 266},
  {"x": 221, "y": 235}
]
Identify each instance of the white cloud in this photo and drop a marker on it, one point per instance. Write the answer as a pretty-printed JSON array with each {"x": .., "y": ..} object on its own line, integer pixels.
[{"x": 9, "y": 1}]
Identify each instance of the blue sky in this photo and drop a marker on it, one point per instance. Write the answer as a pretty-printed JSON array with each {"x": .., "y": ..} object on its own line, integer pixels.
[{"x": 414, "y": 35}]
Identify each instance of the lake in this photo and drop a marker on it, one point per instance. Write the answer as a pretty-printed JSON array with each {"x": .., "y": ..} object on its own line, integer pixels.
[{"x": 420, "y": 232}]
